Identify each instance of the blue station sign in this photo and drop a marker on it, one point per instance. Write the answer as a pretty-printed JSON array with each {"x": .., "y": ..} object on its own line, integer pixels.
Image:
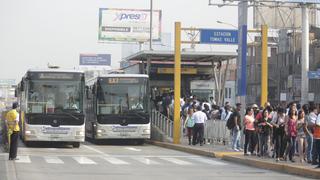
[
  {"x": 95, "y": 59},
  {"x": 218, "y": 36},
  {"x": 314, "y": 74}
]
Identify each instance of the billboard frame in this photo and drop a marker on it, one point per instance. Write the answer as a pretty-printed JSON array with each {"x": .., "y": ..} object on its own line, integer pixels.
[{"x": 128, "y": 38}]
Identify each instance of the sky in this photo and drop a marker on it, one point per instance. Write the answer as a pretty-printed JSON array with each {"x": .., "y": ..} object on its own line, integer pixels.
[{"x": 34, "y": 33}]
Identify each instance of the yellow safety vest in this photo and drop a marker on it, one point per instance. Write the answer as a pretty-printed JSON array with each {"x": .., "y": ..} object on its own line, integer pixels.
[{"x": 11, "y": 120}]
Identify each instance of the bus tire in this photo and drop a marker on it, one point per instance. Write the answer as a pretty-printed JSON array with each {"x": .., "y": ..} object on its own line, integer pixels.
[
  {"x": 76, "y": 144},
  {"x": 140, "y": 142}
]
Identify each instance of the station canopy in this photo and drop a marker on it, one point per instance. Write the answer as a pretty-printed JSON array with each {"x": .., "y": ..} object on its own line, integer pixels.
[{"x": 186, "y": 56}]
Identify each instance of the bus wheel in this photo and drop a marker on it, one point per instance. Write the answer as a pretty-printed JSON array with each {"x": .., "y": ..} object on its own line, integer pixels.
[
  {"x": 76, "y": 144},
  {"x": 140, "y": 142}
]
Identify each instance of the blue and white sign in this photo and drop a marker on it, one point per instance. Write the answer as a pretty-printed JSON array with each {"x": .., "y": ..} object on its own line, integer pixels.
[
  {"x": 314, "y": 74},
  {"x": 218, "y": 36},
  {"x": 95, "y": 59}
]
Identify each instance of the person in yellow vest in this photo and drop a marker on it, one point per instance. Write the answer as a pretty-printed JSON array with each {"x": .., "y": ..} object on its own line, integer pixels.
[
  {"x": 316, "y": 138},
  {"x": 12, "y": 121}
]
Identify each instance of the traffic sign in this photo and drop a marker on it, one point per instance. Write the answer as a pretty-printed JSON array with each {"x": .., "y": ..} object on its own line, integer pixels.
[
  {"x": 218, "y": 36},
  {"x": 314, "y": 74}
]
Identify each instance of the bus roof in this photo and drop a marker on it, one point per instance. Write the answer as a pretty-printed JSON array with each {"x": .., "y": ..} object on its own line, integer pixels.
[
  {"x": 124, "y": 75},
  {"x": 91, "y": 80},
  {"x": 55, "y": 70}
]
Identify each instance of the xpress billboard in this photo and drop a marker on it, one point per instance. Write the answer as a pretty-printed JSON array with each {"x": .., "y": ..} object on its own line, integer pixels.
[{"x": 128, "y": 25}]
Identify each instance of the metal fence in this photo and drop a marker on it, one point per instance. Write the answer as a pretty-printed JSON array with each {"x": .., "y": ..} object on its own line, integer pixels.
[{"x": 215, "y": 130}]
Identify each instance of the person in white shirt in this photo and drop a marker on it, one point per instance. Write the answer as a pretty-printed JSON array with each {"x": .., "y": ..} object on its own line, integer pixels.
[
  {"x": 226, "y": 113},
  {"x": 199, "y": 118}
]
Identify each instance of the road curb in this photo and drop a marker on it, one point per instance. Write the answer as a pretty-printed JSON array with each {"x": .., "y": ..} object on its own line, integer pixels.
[
  {"x": 182, "y": 148},
  {"x": 231, "y": 156},
  {"x": 283, "y": 168}
]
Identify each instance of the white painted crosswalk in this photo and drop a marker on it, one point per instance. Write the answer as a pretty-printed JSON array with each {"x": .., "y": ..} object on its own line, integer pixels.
[
  {"x": 84, "y": 160},
  {"x": 121, "y": 160},
  {"x": 53, "y": 160}
]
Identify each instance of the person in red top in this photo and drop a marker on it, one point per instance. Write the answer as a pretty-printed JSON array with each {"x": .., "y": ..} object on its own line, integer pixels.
[
  {"x": 291, "y": 129},
  {"x": 249, "y": 131}
]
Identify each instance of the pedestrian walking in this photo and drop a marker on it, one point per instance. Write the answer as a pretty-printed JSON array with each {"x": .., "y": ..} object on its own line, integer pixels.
[
  {"x": 316, "y": 136},
  {"x": 264, "y": 125},
  {"x": 199, "y": 118},
  {"x": 249, "y": 131},
  {"x": 291, "y": 133},
  {"x": 12, "y": 122},
  {"x": 311, "y": 150},
  {"x": 278, "y": 122},
  {"x": 301, "y": 136},
  {"x": 189, "y": 124},
  {"x": 236, "y": 118}
]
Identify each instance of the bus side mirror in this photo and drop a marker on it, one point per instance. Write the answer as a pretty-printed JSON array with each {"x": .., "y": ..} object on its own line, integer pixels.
[
  {"x": 94, "y": 89},
  {"x": 22, "y": 86},
  {"x": 87, "y": 92}
]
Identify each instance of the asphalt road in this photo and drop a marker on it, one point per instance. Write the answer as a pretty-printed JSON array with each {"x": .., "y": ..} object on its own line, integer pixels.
[{"x": 123, "y": 162}]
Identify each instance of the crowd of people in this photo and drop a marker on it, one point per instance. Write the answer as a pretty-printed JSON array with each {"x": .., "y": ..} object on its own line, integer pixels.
[{"x": 290, "y": 133}]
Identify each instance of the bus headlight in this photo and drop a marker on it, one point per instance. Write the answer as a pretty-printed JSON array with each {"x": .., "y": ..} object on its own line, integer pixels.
[
  {"x": 79, "y": 133},
  {"x": 29, "y": 132},
  {"x": 100, "y": 131},
  {"x": 146, "y": 131}
]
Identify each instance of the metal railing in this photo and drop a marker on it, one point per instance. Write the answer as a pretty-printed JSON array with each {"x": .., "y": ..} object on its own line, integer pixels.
[
  {"x": 162, "y": 122},
  {"x": 215, "y": 130}
]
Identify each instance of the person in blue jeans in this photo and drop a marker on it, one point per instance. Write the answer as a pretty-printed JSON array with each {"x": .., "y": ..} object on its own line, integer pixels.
[
  {"x": 237, "y": 128},
  {"x": 309, "y": 136}
]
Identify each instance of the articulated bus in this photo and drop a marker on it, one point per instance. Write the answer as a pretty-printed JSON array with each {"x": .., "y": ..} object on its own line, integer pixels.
[
  {"x": 52, "y": 106},
  {"x": 118, "y": 107}
]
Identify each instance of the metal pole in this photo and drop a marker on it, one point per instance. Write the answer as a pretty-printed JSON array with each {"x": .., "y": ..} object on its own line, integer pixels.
[
  {"x": 305, "y": 55},
  {"x": 242, "y": 52},
  {"x": 151, "y": 15},
  {"x": 177, "y": 83},
  {"x": 264, "y": 65}
]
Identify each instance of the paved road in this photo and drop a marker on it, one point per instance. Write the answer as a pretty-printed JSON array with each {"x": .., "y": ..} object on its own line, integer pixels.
[{"x": 115, "y": 162}]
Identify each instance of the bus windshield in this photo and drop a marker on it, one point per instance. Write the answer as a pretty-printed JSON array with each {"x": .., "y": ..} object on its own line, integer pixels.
[
  {"x": 122, "y": 95},
  {"x": 52, "y": 96}
]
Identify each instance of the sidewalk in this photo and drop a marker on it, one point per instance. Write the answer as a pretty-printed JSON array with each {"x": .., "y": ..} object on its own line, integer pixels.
[{"x": 226, "y": 153}]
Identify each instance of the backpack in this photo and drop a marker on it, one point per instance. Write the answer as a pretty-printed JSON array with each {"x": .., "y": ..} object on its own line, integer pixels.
[{"x": 230, "y": 122}]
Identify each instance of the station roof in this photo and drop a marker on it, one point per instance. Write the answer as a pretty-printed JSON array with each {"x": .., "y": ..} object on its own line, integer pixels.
[{"x": 195, "y": 56}]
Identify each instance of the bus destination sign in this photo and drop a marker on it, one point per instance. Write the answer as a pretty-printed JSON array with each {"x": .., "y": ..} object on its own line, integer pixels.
[{"x": 123, "y": 80}]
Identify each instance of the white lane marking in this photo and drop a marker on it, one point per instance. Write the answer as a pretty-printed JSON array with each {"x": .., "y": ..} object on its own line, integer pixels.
[
  {"x": 115, "y": 161},
  {"x": 95, "y": 150},
  {"x": 53, "y": 160},
  {"x": 84, "y": 160},
  {"x": 133, "y": 149},
  {"x": 176, "y": 161},
  {"x": 23, "y": 159},
  {"x": 145, "y": 160},
  {"x": 209, "y": 161}
]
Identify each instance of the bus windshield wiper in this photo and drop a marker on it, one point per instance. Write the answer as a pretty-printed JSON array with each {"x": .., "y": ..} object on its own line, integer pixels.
[{"x": 69, "y": 114}]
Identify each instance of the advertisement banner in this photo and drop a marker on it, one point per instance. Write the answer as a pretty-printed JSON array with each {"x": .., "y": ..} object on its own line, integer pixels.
[
  {"x": 95, "y": 59},
  {"x": 130, "y": 25}
]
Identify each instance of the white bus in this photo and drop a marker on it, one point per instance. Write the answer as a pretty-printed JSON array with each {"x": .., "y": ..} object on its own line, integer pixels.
[
  {"x": 118, "y": 107},
  {"x": 52, "y": 106}
]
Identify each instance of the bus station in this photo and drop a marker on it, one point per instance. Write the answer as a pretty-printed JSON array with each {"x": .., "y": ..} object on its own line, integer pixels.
[{"x": 195, "y": 65}]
